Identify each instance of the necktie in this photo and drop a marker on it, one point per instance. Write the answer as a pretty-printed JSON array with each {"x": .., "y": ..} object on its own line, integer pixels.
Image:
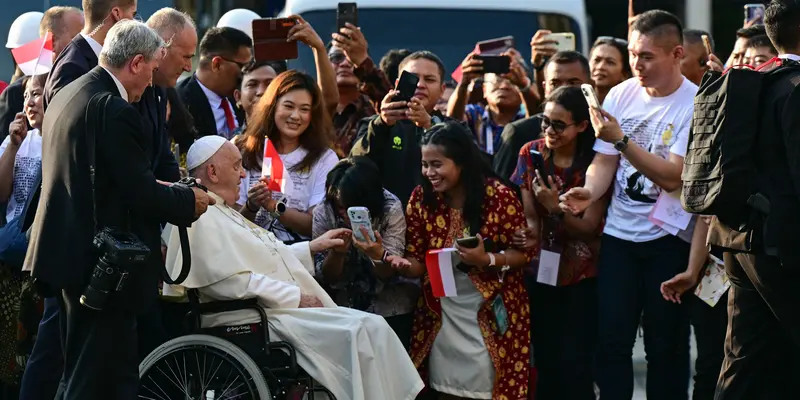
[{"x": 229, "y": 120}]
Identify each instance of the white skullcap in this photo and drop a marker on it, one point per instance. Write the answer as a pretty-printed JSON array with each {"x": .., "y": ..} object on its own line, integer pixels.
[{"x": 203, "y": 149}]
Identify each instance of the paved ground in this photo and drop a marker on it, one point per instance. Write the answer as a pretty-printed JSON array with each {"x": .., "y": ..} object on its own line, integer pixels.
[{"x": 640, "y": 368}]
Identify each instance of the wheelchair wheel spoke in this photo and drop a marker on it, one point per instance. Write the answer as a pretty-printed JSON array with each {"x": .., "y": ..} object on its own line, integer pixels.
[{"x": 166, "y": 396}]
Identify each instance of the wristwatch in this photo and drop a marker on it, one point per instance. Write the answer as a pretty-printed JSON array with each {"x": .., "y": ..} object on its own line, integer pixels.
[
  {"x": 622, "y": 144},
  {"x": 280, "y": 208}
]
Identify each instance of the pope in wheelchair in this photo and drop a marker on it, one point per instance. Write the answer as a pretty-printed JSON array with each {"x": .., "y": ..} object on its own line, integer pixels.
[{"x": 353, "y": 354}]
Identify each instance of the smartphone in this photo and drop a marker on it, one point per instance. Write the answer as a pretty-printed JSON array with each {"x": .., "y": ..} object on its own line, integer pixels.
[
  {"x": 269, "y": 39},
  {"x": 468, "y": 242},
  {"x": 707, "y": 44},
  {"x": 494, "y": 47},
  {"x": 359, "y": 217},
  {"x": 538, "y": 164},
  {"x": 753, "y": 14},
  {"x": 407, "y": 86},
  {"x": 590, "y": 95},
  {"x": 495, "y": 64},
  {"x": 565, "y": 41},
  {"x": 347, "y": 12}
]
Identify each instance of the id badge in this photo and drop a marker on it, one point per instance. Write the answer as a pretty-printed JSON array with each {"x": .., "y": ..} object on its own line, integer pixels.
[
  {"x": 500, "y": 315},
  {"x": 549, "y": 261}
]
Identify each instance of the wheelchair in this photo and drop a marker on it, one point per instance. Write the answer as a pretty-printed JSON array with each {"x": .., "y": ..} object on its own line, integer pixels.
[{"x": 223, "y": 363}]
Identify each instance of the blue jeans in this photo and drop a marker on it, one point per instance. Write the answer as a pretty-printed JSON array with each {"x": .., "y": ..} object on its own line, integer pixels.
[
  {"x": 46, "y": 364},
  {"x": 629, "y": 280}
]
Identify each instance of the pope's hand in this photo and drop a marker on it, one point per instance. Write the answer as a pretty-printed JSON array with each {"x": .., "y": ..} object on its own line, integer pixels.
[
  {"x": 310, "y": 301},
  {"x": 331, "y": 239}
]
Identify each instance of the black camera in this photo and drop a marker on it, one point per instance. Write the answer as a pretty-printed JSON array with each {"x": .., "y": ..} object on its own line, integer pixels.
[{"x": 119, "y": 251}]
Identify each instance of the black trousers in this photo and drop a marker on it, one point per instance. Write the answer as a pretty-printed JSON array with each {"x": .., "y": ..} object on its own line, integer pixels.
[
  {"x": 762, "y": 345},
  {"x": 563, "y": 333},
  {"x": 710, "y": 325},
  {"x": 100, "y": 352}
]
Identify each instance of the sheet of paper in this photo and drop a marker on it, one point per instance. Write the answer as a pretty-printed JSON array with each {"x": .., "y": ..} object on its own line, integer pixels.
[
  {"x": 713, "y": 284},
  {"x": 668, "y": 209},
  {"x": 548, "y": 268}
]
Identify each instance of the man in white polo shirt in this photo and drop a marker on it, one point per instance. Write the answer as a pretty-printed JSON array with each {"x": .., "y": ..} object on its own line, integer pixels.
[{"x": 642, "y": 137}]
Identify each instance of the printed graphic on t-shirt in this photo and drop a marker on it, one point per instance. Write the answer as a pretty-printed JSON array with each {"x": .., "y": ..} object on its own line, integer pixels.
[{"x": 656, "y": 137}]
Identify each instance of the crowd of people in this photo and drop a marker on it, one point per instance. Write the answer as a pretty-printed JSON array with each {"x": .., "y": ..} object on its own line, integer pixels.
[{"x": 563, "y": 199}]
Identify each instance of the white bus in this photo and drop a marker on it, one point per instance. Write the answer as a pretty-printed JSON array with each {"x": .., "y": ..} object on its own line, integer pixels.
[{"x": 449, "y": 28}]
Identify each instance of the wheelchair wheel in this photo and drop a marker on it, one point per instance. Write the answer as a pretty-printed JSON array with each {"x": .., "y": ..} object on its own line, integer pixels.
[{"x": 201, "y": 367}]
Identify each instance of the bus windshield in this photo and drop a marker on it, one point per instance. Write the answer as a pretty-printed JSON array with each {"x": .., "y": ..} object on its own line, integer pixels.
[{"x": 449, "y": 33}]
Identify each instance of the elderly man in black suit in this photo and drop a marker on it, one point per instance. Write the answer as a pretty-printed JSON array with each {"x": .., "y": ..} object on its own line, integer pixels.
[
  {"x": 100, "y": 345},
  {"x": 208, "y": 94}
]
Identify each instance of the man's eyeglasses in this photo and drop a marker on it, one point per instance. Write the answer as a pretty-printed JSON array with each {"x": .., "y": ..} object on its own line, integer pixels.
[
  {"x": 241, "y": 65},
  {"x": 336, "y": 57},
  {"x": 558, "y": 126},
  {"x": 608, "y": 39}
]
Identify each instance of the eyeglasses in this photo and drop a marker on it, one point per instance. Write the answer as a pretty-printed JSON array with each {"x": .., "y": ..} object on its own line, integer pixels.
[
  {"x": 606, "y": 39},
  {"x": 337, "y": 57},
  {"x": 238, "y": 64},
  {"x": 558, "y": 126}
]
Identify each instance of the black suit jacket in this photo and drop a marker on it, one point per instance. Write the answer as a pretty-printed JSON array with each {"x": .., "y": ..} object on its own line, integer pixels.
[
  {"x": 12, "y": 101},
  {"x": 196, "y": 102},
  {"x": 127, "y": 194},
  {"x": 153, "y": 109},
  {"x": 75, "y": 60}
]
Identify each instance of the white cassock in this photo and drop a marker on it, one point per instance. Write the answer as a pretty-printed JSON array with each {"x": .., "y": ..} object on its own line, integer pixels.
[{"x": 354, "y": 354}]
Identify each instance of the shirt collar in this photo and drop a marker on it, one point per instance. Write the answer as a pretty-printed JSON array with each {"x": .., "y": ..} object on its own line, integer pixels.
[
  {"x": 793, "y": 57},
  {"x": 214, "y": 99},
  {"x": 96, "y": 47},
  {"x": 122, "y": 92}
]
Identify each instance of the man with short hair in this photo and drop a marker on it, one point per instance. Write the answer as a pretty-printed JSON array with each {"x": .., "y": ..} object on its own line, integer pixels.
[
  {"x": 504, "y": 94},
  {"x": 64, "y": 23},
  {"x": 391, "y": 138},
  {"x": 208, "y": 94},
  {"x": 361, "y": 85},
  {"x": 642, "y": 134},
  {"x": 80, "y": 55},
  {"x": 100, "y": 360},
  {"x": 760, "y": 50},
  {"x": 565, "y": 68},
  {"x": 695, "y": 59},
  {"x": 762, "y": 346},
  {"x": 743, "y": 35}
]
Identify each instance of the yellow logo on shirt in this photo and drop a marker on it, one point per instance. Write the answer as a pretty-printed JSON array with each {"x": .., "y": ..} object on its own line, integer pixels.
[
  {"x": 666, "y": 137},
  {"x": 397, "y": 143}
]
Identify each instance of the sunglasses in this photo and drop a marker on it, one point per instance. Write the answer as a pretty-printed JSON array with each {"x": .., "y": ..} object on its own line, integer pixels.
[
  {"x": 336, "y": 57},
  {"x": 606, "y": 39},
  {"x": 238, "y": 64},
  {"x": 558, "y": 126}
]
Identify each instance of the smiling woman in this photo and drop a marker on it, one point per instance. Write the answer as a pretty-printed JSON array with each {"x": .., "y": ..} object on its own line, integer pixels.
[{"x": 291, "y": 115}]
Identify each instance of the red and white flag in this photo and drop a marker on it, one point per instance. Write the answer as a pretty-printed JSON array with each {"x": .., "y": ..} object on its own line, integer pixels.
[
  {"x": 35, "y": 57},
  {"x": 440, "y": 271},
  {"x": 273, "y": 169}
]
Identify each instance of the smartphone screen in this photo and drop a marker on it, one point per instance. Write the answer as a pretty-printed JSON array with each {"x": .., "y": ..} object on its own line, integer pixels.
[
  {"x": 495, "y": 64},
  {"x": 407, "y": 86},
  {"x": 754, "y": 14},
  {"x": 346, "y": 12}
]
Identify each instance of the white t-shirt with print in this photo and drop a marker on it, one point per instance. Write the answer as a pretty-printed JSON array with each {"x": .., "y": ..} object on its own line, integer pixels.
[
  {"x": 659, "y": 125},
  {"x": 304, "y": 189},
  {"x": 27, "y": 165}
]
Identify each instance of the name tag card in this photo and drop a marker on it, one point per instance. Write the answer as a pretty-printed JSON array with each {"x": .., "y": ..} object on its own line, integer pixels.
[
  {"x": 549, "y": 261},
  {"x": 669, "y": 215}
]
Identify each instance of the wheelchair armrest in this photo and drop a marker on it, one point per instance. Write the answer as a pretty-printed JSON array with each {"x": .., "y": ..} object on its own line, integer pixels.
[{"x": 227, "y": 305}]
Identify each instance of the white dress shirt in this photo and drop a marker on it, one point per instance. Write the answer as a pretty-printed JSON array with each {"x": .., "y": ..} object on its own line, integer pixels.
[
  {"x": 215, "y": 101},
  {"x": 97, "y": 47},
  {"x": 122, "y": 91},
  {"x": 793, "y": 57}
]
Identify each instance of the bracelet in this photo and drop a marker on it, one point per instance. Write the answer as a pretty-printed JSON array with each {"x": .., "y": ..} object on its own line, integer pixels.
[
  {"x": 385, "y": 256},
  {"x": 491, "y": 260},
  {"x": 247, "y": 205}
]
